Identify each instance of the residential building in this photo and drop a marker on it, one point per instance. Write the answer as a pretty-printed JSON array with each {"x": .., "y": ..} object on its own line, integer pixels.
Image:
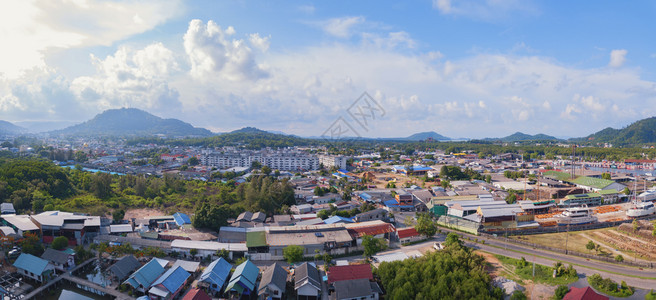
[
  {"x": 143, "y": 278},
  {"x": 356, "y": 289},
  {"x": 215, "y": 275},
  {"x": 21, "y": 223},
  {"x": 77, "y": 228},
  {"x": 196, "y": 294},
  {"x": 273, "y": 283},
  {"x": 586, "y": 293},
  {"x": 330, "y": 161},
  {"x": 243, "y": 280},
  {"x": 349, "y": 273},
  {"x": 7, "y": 208},
  {"x": 372, "y": 215},
  {"x": 408, "y": 235},
  {"x": 123, "y": 267},
  {"x": 169, "y": 284},
  {"x": 34, "y": 267},
  {"x": 284, "y": 159},
  {"x": 62, "y": 261},
  {"x": 307, "y": 282}
]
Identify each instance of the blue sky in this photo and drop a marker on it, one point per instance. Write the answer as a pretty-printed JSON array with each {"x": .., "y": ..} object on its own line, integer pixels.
[{"x": 461, "y": 68}]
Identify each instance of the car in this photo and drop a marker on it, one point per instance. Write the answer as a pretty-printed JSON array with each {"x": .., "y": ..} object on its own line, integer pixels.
[
  {"x": 14, "y": 253},
  {"x": 438, "y": 246}
]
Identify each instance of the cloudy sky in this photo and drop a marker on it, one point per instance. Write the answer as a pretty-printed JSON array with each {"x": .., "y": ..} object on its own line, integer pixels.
[{"x": 458, "y": 67}]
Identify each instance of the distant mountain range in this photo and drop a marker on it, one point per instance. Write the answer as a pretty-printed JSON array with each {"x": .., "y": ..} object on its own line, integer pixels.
[
  {"x": 9, "y": 128},
  {"x": 422, "y": 136},
  {"x": 132, "y": 122},
  {"x": 523, "y": 137},
  {"x": 640, "y": 132}
]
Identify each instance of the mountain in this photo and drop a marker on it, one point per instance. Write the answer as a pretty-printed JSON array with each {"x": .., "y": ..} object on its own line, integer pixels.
[
  {"x": 422, "y": 136},
  {"x": 640, "y": 132},
  {"x": 132, "y": 122},
  {"x": 523, "y": 137},
  {"x": 249, "y": 130},
  {"x": 10, "y": 128}
]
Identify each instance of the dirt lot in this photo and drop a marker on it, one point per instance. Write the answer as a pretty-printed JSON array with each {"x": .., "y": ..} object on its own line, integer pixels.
[
  {"x": 533, "y": 291},
  {"x": 142, "y": 213}
]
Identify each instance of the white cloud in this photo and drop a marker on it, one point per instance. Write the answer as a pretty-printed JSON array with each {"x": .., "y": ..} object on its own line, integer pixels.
[
  {"x": 342, "y": 27},
  {"x": 486, "y": 10},
  {"x": 212, "y": 54},
  {"x": 617, "y": 58},
  {"x": 260, "y": 43},
  {"x": 32, "y": 28},
  {"x": 400, "y": 39}
]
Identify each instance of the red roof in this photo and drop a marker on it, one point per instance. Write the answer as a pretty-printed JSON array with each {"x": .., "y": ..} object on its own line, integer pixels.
[
  {"x": 196, "y": 294},
  {"x": 585, "y": 293},
  {"x": 350, "y": 272},
  {"x": 371, "y": 230},
  {"x": 407, "y": 232}
]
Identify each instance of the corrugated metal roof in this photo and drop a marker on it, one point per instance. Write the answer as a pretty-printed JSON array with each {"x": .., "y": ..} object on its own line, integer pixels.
[
  {"x": 146, "y": 274},
  {"x": 256, "y": 239},
  {"x": 173, "y": 279},
  {"x": 350, "y": 272},
  {"x": 31, "y": 263},
  {"x": 181, "y": 219},
  {"x": 276, "y": 275},
  {"x": 217, "y": 272},
  {"x": 124, "y": 266},
  {"x": 245, "y": 275}
]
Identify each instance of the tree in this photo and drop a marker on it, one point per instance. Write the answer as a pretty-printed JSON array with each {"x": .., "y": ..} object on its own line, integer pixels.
[
  {"x": 452, "y": 239},
  {"x": 561, "y": 291},
  {"x": 193, "y": 252},
  {"x": 266, "y": 170},
  {"x": 635, "y": 224},
  {"x": 518, "y": 295},
  {"x": 626, "y": 191},
  {"x": 619, "y": 258},
  {"x": 293, "y": 253},
  {"x": 605, "y": 176},
  {"x": 193, "y": 161},
  {"x": 373, "y": 245},
  {"x": 59, "y": 243},
  {"x": 590, "y": 245},
  {"x": 425, "y": 225},
  {"x": 118, "y": 215}
]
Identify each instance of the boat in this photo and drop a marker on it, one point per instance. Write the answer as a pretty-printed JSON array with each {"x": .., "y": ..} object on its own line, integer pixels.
[
  {"x": 576, "y": 216},
  {"x": 641, "y": 209},
  {"x": 648, "y": 195}
]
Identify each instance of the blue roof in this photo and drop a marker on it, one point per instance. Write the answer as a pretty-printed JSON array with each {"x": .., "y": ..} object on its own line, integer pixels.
[
  {"x": 365, "y": 196},
  {"x": 337, "y": 219},
  {"x": 246, "y": 275},
  {"x": 173, "y": 279},
  {"x": 146, "y": 274},
  {"x": 31, "y": 263},
  {"x": 217, "y": 272},
  {"x": 393, "y": 203},
  {"x": 181, "y": 219},
  {"x": 340, "y": 175},
  {"x": 342, "y": 171}
]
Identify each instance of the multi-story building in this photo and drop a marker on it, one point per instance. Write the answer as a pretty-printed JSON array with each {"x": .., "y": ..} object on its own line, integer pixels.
[
  {"x": 287, "y": 160},
  {"x": 329, "y": 161}
]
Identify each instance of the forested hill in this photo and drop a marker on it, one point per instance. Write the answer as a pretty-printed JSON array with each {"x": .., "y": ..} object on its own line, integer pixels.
[
  {"x": 132, "y": 122},
  {"x": 523, "y": 137},
  {"x": 640, "y": 132},
  {"x": 9, "y": 128}
]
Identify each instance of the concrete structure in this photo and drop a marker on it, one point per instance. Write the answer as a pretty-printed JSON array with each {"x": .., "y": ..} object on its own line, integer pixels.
[
  {"x": 285, "y": 159},
  {"x": 330, "y": 161},
  {"x": 206, "y": 248},
  {"x": 78, "y": 228}
]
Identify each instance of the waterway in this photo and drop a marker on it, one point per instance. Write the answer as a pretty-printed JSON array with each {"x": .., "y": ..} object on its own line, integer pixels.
[{"x": 94, "y": 274}]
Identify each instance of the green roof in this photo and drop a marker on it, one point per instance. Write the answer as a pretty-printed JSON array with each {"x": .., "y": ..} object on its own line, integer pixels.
[
  {"x": 608, "y": 192},
  {"x": 579, "y": 196},
  {"x": 562, "y": 176},
  {"x": 256, "y": 239},
  {"x": 596, "y": 183}
]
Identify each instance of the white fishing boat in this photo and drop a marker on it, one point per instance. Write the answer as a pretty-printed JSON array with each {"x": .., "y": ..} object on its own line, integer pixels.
[
  {"x": 641, "y": 209},
  {"x": 576, "y": 216}
]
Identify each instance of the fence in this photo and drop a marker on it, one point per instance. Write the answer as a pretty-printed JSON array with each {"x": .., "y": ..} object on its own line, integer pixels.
[{"x": 570, "y": 252}]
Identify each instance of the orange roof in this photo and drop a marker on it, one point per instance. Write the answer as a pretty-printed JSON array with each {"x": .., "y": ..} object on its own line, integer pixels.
[
  {"x": 369, "y": 229},
  {"x": 407, "y": 232},
  {"x": 350, "y": 272}
]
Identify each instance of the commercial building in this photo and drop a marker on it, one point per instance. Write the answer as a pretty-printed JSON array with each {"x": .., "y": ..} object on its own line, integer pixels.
[
  {"x": 330, "y": 161},
  {"x": 77, "y": 228}
]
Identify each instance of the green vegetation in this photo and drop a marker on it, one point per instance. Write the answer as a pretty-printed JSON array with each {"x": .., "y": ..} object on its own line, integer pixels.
[
  {"x": 59, "y": 243},
  {"x": 373, "y": 245},
  {"x": 425, "y": 225},
  {"x": 651, "y": 295},
  {"x": 518, "y": 295},
  {"x": 609, "y": 287},
  {"x": 561, "y": 291},
  {"x": 454, "y": 273},
  {"x": 293, "y": 253},
  {"x": 543, "y": 274}
]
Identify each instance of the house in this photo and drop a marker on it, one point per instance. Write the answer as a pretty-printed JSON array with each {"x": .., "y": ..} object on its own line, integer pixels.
[
  {"x": 145, "y": 276},
  {"x": 189, "y": 266},
  {"x": 376, "y": 214},
  {"x": 307, "y": 282},
  {"x": 169, "y": 285},
  {"x": 196, "y": 294},
  {"x": 244, "y": 279},
  {"x": 349, "y": 273},
  {"x": 408, "y": 235},
  {"x": 273, "y": 283},
  {"x": 7, "y": 209},
  {"x": 62, "y": 261},
  {"x": 181, "y": 219},
  {"x": 123, "y": 267},
  {"x": 33, "y": 267},
  {"x": 356, "y": 289},
  {"x": 377, "y": 229},
  {"x": 258, "y": 217},
  {"x": 77, "y": 228},
  {"x": 215, "y": 275},
  {"x": 586, "y": 293},
  {"x": 245, "y": 217},
  {"x": 21, "y": 223}
]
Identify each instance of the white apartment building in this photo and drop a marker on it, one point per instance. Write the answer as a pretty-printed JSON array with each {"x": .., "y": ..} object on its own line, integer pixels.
[
  {"x": 285, "y": 159},
  {"x": 330, "y": 161}
]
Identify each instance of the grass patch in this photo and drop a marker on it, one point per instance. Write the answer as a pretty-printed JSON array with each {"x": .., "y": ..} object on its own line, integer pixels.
[
  {"x": 543, "y": 274},
  {"x": 415, "y": 242},
  {"x": 651, "y": 295},
  {"x": 609, "y": 287}
]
